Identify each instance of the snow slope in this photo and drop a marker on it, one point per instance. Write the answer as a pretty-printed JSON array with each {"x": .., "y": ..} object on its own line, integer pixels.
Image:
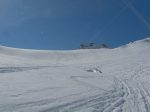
[{"x": 100, "y": 80}]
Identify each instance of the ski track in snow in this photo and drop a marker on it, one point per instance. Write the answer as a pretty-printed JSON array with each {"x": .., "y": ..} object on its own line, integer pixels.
[
  {"x": 124, "y": 96},
  {"x": 17, "y": 69},
  {"x": 129, "y": 92},
  {"x": 112, "y": 100},
  {"x": 21, "y": 69}
]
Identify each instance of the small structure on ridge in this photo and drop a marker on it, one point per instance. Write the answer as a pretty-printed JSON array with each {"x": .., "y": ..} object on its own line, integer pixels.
[{"x": 93, "y": 46}]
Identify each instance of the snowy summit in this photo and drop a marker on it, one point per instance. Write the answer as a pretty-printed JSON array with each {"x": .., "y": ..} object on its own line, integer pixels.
[{"x": 90, "y": 80}]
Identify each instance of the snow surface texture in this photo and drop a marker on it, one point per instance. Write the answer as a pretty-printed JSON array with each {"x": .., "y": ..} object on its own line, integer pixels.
[{"x": 100, "y": 80}]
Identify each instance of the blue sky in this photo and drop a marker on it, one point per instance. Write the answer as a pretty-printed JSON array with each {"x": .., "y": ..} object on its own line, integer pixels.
[{"x": 65, "y": 24}]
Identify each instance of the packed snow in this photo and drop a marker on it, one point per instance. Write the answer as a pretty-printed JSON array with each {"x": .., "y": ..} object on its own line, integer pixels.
[{"x": 92, "y": 80}]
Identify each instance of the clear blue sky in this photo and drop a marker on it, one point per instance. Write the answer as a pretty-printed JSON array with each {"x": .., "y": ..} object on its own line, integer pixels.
[{"x": 64, "y": 24}]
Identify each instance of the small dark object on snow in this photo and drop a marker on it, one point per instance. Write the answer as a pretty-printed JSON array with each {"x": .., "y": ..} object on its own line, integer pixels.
[{"x": 93, "y": 46}]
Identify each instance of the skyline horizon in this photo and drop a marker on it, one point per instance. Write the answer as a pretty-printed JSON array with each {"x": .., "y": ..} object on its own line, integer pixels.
[{"x": 78, "y": 48}]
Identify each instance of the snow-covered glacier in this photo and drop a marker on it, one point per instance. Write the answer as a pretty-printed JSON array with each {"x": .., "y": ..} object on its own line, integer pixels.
[{"x": 92, "y": 80}]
